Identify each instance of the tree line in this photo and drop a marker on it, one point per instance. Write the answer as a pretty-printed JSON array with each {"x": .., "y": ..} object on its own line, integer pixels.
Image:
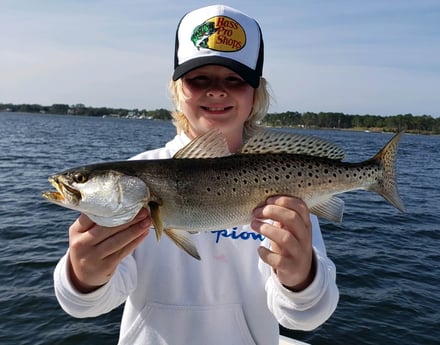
[
  {"x": 82, "y": 110},
  {"x": 425, "y": 124},
  {"x": 416, "y": 124}
]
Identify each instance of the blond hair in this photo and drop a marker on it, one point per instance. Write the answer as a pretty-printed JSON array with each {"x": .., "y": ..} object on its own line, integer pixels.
[{"x": 252, "y": 124}]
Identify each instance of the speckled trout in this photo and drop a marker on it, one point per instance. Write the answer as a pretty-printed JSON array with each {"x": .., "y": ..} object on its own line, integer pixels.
[{"x": 205, "y": 187}]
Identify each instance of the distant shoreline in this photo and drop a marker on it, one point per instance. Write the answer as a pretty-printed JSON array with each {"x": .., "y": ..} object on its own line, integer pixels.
[{"x": 421, "y": 124}]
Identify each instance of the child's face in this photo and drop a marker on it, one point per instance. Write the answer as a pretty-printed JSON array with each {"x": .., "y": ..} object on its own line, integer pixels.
[{"x": 216, "y": 97}]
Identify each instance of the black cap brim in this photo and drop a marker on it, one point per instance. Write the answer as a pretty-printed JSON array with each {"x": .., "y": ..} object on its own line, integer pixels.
[{"x": 248, "y": 74}]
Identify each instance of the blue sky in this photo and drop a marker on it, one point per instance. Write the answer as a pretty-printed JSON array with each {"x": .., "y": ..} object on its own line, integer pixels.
[{"x": 358, "y": 57}]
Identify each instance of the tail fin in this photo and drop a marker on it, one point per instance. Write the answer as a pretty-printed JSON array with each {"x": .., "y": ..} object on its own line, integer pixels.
[{"x": 387, "y": 187}]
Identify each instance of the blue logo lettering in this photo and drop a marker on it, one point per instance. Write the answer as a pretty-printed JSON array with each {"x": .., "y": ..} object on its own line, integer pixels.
[{"x": 235, "y": 235}]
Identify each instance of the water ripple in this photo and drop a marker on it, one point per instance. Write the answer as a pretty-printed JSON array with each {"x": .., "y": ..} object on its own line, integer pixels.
[{"x": 387, "y": 262}]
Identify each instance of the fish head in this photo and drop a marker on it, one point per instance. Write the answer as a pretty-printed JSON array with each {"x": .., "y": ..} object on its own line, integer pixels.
[{"x": 108, "y": 197}]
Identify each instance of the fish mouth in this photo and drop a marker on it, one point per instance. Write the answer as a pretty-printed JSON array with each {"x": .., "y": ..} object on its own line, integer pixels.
[{"x": 63, "y": 194}]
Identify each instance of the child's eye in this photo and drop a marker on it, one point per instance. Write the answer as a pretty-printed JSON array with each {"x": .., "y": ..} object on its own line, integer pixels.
[
  {"x": 198, "y": 81},
  {"x": 200, "y": 78},
  {"x": 235, "y": 81}
]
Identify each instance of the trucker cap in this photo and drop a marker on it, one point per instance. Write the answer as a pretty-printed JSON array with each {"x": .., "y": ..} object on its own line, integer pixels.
[{"x": 219, "y": 35}]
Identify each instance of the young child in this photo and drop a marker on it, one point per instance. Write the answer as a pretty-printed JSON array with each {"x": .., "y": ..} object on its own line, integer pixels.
[{"x": 250, "y": 277}]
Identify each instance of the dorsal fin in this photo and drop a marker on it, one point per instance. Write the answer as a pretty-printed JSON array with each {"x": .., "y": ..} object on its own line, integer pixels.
[
  {"x": 209, "y": 145},
  {"x": 269, "y": 141}
]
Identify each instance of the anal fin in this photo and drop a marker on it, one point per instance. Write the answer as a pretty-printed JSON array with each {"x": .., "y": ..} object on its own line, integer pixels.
[{"x": 331, "y": 209}]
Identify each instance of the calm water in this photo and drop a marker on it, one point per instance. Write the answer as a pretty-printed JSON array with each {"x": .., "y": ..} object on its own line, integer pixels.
[{"x": 388, "y": 263}]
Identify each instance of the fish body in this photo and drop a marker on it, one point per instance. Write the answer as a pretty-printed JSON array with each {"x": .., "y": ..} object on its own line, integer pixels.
[{"x": 199, "y": 191}]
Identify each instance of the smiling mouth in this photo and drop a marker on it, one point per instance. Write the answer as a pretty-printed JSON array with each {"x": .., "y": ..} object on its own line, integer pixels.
[{"x": 216, "y": 109}]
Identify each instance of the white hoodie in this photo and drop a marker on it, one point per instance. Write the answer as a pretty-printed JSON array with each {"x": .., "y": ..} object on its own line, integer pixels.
[{"x": 229, "y": 297}]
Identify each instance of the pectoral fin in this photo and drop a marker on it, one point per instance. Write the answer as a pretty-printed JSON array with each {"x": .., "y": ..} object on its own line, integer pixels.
[{"x": 182, "y": 241}]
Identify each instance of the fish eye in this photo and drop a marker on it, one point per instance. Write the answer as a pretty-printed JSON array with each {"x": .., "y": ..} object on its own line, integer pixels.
[{"x": 79, "y": 177}]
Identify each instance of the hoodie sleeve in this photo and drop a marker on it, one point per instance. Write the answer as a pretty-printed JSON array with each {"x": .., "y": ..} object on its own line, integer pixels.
[
  {"x": 307, "y": 309},
  {"x": 100, "y": 301}
]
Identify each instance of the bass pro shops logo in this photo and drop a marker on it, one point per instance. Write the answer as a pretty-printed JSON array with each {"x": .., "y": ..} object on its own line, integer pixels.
[{"x": 219, "y": 33}]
